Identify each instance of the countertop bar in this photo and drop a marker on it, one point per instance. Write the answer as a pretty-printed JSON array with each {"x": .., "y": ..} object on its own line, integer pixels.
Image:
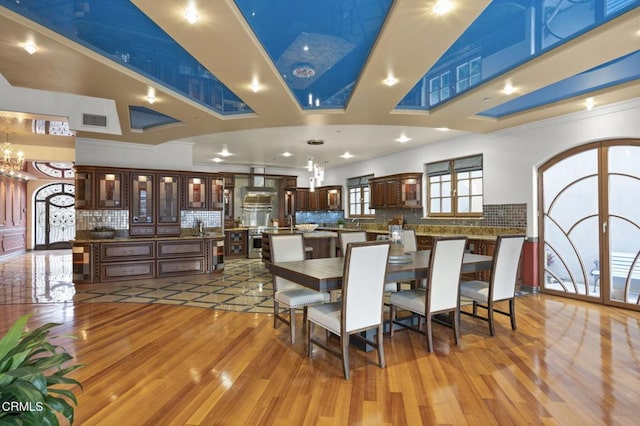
[{"x": 211, "y": 235}]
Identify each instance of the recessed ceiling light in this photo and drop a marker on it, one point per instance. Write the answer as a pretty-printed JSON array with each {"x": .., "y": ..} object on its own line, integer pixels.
[
  {"x": 508, "y": 89},
  {"x": 403, "y": 139},
  {"x": 390, "y": 80},
  {"x": 589, "y": 104},
  {"x": 442, "y": 7},
  {"x": 217, "y": 160},
  {"x": 442, "y": 129},
  {"x": 30, "y": 48},
  {"x": 225, "y": 152},
  {"x": 255, "y": 86},
  {"x": 151, "y": 99},
  {"x": 286, "y": 154},
  {"x": 347, "y": 155},
  {"x": 191, "y": 14}
]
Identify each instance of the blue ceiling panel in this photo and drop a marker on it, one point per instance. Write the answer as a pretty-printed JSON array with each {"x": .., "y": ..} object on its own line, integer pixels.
[
  {"x": 507, "y": 34},
  {"x": 143, "y": 118},
  {"x": 613, "y": 73},
  {"x": 319, "y": 47},
  {"x": 118, "y": 30}
]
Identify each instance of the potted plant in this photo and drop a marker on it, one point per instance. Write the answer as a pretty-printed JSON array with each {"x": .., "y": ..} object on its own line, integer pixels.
[
  {"x": 30, "y": 371},
  {"x": 340, "y": 223}
]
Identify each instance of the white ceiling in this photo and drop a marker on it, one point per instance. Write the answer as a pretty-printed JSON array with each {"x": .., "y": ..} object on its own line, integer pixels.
[{"x": 223, "y": 43}]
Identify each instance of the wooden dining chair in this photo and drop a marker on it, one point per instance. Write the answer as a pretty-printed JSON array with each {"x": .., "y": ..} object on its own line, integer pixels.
[
  {"x": 346, "y": 237},
  {"x": 501, "y": 285},
  {"x": 441, "y": 294},
  {"x": 409, "y": 240},
  {"x": 361, "y": 308},
  {"x": 359, "y": 237},
  {"x": 286, "y": 248}
]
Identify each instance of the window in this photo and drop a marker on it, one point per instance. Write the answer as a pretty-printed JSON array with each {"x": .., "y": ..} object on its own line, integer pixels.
[
  {"x": 359, "y": 196},
  {"x": 455, "y": 187}
]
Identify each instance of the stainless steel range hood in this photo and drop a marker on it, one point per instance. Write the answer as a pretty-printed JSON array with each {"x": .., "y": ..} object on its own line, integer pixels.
[{"x": 257, "y": 194}]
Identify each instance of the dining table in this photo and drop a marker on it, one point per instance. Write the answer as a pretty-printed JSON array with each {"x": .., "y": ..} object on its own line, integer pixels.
[{"x": 326, "y": 274}]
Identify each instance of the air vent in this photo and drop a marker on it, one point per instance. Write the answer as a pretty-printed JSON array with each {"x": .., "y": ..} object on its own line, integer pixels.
[
  {"x": 94, "y": 120},
  {"x": 315, "y": 142}
]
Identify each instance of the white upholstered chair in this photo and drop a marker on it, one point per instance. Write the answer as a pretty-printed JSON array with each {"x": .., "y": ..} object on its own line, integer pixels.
[
  {"x": 347, "y": 237},
  {"x": 502, "y": 284},
  {"x": 286, "y": 248},
  {"x": 359, "y": 237},
  {"x": 361, "y": 306},
  {"x": 441, "y": 294},
  {"x": 409, "y": 240}
]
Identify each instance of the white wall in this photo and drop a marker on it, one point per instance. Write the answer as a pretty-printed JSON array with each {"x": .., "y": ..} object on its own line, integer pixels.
[
  {"x": 166, "y": 156},
  {"x": 511, "y": 156}
]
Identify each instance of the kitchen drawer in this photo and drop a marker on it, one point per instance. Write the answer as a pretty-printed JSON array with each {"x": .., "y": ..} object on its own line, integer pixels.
[
  {"x": 142, "y": 231},
  {"x": 127, "y": 270},
  {"x": 182, "y": 248},
  {"x": 110, "y": 252},
  {"x": 168, "y": 230},
  {"x": 170, "y": 267}
]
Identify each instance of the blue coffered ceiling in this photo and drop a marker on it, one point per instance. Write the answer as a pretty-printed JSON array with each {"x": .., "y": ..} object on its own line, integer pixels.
[{"x": 320, "y": 48}]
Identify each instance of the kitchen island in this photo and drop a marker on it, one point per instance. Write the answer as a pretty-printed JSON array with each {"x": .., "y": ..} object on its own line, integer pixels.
[
  {"x": 318, "y": 244},
  {"x": 118, "y": 259}
]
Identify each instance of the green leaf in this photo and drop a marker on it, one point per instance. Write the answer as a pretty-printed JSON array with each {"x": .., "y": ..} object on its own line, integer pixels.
[
  {"x": 10, "y": 339},
  {"x": 61, "y": 406},
  {"x": 45, "y": 363},
  {"x": 32, "y": 375},
  {"x": 64, "y": 392},
  {"x": 53, "y": 380}
]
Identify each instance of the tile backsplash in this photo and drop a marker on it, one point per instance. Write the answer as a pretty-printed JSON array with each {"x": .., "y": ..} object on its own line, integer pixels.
[
  {"x": 86, "y": 220},
  {"x": 494, "y": 215}
]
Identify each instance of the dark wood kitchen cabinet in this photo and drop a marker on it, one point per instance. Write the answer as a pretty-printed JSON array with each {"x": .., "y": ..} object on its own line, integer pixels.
[
  {"x": 110, "y": 190},
  {"x": 154, "y": 204},
  {"x": 302, "y": 199},
  {"x": 142, "y": 218},
  {"x": 235, "y": 243},
  {"x": 384, "y": 192},
  {"x": 396, "y": 191},
  {"x": 217, "y": 193}
]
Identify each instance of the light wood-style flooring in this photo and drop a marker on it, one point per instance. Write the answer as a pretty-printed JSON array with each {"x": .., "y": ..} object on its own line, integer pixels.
[{"x": 569, "y": 363}]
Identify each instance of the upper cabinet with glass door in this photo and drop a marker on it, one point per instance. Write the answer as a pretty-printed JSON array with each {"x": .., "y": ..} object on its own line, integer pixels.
[
  {"x": 217, "y": 193},
  {"x": 168, "y": 204},
  {"x": 110, "y": 190},
  {"x": 411, "y": 190},
  {"x": 196, "y": 193},
  {"x": 84, "y": 182},
  {"x": 142, "y": 214}
]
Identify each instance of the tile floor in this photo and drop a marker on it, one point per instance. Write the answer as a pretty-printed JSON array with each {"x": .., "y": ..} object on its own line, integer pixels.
[{"x": 46, "y": 277}]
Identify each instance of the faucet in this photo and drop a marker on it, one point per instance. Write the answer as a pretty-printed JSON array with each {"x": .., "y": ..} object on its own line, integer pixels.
[
  {"x": 290, "y": 217},
  {"x": 356, "y": 221},
  {"x": 199, "y": 227}
]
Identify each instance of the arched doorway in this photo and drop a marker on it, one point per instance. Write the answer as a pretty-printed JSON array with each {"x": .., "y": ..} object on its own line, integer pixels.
[
  {"x": 590, "y": 223},
  {"x": 54, "y": 216}
]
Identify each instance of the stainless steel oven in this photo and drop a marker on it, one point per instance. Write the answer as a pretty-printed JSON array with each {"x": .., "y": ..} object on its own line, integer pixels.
[{"x": 255, "y": 244}]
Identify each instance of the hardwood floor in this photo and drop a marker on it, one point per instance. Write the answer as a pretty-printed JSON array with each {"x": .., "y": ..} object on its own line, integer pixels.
[{"x": 569, "y": 363}]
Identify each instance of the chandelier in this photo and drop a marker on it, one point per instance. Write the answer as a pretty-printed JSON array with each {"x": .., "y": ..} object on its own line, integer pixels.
[
  {"x": 10, "y": 164},
  {"x": 314, "y": 167},
  {"x": 318, "y": 173}
]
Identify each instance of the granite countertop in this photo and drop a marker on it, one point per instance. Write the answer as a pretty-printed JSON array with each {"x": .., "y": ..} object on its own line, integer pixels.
[
  {"x": 208, "y": 235},
  {"x": 314, "y": 234},
  {"x": 475, "y": 233}
]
